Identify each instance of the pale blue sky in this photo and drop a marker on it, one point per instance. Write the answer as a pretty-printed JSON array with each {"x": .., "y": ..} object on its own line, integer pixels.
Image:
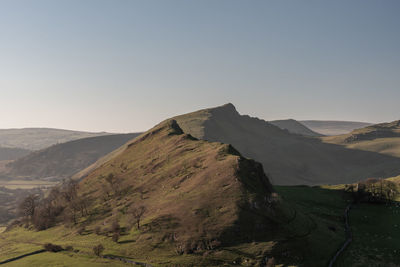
[{"x": 126, "y": 65}]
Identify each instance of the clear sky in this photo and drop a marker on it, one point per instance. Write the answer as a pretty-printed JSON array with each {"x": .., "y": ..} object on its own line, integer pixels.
[{"x": 126, "y": 65}]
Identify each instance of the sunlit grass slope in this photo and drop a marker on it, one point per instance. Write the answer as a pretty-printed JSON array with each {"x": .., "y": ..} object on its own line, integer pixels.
[{"x": 199, "y": 195}]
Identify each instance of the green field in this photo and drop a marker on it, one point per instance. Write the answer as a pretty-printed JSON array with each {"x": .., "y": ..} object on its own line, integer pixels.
[
  {"x": 376, "y": 236},
  {"x": 313, "y": 211},
  {"x": 312, "y": 236},
  {"x": 25, "y": 184}
]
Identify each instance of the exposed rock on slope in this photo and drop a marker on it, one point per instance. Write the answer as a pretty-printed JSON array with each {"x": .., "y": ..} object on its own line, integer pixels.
[{"x": 287, "y": 158}]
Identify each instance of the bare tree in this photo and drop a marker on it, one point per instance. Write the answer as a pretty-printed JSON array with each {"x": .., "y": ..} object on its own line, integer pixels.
[
  {"x": 137, "y": 213},
  {"x": 70, "y": 190},
  {"x": 98, "y": 250},
  {"x": 114, "y": 183}
]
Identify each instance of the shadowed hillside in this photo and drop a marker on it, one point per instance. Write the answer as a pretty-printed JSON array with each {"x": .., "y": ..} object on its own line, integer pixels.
[
  {"x": 295, "y": 127},
  {"x": 8, "y": 153},
  {"x": 39, "y": 138},
  {"x": 63, "y": 160},
  {"x": 287, "y": 158},
  {"x": 334, "y": 127}
]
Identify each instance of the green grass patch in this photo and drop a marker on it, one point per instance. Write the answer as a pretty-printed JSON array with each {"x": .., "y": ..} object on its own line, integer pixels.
[{"x": 376, "y": 236}]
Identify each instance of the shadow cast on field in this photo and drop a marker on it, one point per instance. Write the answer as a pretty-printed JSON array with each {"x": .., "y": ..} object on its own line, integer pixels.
[{"x": 126, "y": 241}]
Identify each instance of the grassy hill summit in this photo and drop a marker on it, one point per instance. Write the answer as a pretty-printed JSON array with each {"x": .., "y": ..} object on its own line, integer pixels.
[
  {"x": 295, "y": 127},
  {"x": 194, "y": 191},
  {"x": 288, "y": 158}
]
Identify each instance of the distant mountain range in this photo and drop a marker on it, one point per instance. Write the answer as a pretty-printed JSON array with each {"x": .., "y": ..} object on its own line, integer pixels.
[
  {"x": 333, "y": 127},
  {"x": 39, "y": 138}
]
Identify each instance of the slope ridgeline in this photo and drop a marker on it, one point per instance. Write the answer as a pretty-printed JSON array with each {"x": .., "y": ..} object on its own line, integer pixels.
[{"x": 288, "y": 158}]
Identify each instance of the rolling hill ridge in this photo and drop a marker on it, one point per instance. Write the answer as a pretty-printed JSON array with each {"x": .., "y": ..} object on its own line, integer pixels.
[
  {"x": 40, "y": 138},
  {"x": 8, "y": 153},
  {"x": 63, "y": 160},
  {"x": 288, "y": 158}
]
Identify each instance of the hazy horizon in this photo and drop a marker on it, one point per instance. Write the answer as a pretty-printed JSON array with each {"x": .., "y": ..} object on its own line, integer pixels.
[
  {"x": 124, "y": 66},
  {"x": 142, "y": 130}
]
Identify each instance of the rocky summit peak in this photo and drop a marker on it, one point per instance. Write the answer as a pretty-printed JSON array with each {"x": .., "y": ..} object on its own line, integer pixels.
[{"x": 228, "y": 108}]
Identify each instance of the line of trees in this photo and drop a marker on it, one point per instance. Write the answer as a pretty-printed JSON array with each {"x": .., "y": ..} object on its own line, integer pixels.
[{"x": 62, "y": 203}]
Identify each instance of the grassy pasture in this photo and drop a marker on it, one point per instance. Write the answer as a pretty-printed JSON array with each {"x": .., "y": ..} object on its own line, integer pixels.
[
  {"x": 314, "y": 211},
  {"x": 376, "y": 236},
  {"x": 25, "y": 184}
]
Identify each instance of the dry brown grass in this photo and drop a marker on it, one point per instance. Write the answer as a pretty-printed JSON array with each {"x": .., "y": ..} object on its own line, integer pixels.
[{"x": 193, "y": 191}]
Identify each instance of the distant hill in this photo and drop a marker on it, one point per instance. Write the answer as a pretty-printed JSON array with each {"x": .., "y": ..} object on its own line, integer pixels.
[
  {"x": 383, "y": 138},
  {"x": 382, "y": 130},
  {"x": 39, "y": 138},
  {"x": 287, "y": 158},
  {"x": 295, "y": 127},
  {"x": 63, "y": 160},
  {"x": 8, "y": 153},
  {"x": 333, "y": 127}
]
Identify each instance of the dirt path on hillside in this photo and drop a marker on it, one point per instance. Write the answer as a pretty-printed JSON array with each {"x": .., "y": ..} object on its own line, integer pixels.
[{"x": 349, "y": 235}]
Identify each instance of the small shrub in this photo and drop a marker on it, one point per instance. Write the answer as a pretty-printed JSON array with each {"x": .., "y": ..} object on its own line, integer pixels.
[
  {"x": 179, "y": 248},
  {"x": 115, "y": 227},
  {"x": 98, "y": 250},
  {"x": 97, "y": 230},
  {"x": 52, "y": 247},
  {"x": 81, "y": 230},
  {"x": 115, "y": 237}
]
